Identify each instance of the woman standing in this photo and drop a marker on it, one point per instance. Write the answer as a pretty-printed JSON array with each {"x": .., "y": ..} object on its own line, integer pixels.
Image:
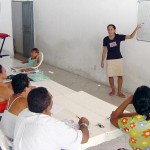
[{"x": 111, "y": 47}]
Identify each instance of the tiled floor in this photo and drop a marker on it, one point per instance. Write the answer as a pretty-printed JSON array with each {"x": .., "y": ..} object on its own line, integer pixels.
[{"x": 78, "y": 83}]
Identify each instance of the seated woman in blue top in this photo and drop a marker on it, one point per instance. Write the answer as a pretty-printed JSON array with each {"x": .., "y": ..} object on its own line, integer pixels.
[{"x": 33, "y": 60}]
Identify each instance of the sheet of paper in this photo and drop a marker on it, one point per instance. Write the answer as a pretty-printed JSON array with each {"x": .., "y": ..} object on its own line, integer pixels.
[{"x": 71, "y": 124}]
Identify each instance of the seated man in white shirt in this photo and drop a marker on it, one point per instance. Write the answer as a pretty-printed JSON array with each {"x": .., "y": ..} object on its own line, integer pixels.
[{"x": 37, "y": 130}]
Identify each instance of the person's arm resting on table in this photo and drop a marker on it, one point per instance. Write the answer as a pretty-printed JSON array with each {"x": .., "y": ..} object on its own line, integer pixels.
[
  {"x": 84, "y": 123},
  {"x": 119, "y": 112},
  {"x": 69, "y": 138}
]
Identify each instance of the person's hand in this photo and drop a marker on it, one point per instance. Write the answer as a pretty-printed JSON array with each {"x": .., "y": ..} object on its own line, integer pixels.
[
  {"x": 84, "y": 120},
  {"x": 138, "y": 26},
  {"x": 130, "y": 99},
  {"x": 102, "y": 64},
  {"x": 37, "y": 56}
]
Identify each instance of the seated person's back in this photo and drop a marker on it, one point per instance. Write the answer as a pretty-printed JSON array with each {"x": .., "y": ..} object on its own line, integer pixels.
[
  {"x": 137, "y": 124},
  {"x": 16, "y": 103},
  {"x": 37, "y": 130},
  {"x": 138, "y": 129}
]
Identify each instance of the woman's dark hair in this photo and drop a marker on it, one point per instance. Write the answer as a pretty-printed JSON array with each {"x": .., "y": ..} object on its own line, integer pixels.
[
  {"x": 19, "y": 83},
  {"x": 1, "y": 68},
  {"x": 141, "y": 101},
  {"x": 111, "y": 25},
  {"x": 39, "y": 99},
  {"x": 35, "y": 49}
]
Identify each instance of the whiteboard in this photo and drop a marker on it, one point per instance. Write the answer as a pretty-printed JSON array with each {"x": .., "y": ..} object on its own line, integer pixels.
[{"x": 144, "y": 19}]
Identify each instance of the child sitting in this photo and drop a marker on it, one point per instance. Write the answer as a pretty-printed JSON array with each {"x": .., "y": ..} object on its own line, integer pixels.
[{"x": 33, "y": 60}]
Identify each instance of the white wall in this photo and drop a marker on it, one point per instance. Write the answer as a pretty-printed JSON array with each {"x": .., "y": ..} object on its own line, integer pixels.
[
  {"x": 6, "y": 24},
  {"x": 70, "y": 32},
  {"x": 21, "y": 0},
  {"x": 17, "y": 26}
]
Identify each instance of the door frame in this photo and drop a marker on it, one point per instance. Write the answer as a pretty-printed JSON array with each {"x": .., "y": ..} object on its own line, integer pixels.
[{"x": 33, "y": 15}]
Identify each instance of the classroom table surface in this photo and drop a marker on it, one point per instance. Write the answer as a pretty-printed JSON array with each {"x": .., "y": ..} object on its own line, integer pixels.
[
  {"x": 82, "y": 104},
  {"x": 72, "y": 105}
]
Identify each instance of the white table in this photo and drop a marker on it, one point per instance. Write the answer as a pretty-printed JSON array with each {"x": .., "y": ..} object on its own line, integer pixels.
[
  {"x": 8, "y": 63},
  {"x": 78, "y": 104},
  {"x": 96, "y": 110},
  {"x": 55, "y": 88}
]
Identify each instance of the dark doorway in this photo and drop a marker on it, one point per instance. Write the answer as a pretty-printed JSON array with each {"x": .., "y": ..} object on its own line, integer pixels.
[{"x": 23, "y": 27}]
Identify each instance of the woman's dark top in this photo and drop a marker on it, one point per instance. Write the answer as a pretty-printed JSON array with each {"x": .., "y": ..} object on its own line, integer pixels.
[{"x": 113, "y": 46}]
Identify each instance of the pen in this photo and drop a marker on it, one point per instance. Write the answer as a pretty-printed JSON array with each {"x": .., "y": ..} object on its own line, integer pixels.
[{"x": 78, "y": 117}]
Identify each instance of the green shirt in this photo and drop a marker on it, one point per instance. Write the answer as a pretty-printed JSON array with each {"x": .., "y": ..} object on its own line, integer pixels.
[
  {"x": 139, "y": 131},
  {"x": 31, "y": 62}
]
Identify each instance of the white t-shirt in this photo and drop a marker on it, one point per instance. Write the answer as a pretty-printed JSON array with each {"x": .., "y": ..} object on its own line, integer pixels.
[
  {"x": 41, "y": 132},
  {"x": 8, "y": 123}
]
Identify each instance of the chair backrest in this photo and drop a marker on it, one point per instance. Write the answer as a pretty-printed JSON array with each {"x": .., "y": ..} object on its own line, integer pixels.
[
  {"x": 41, "y": 57},
  {"x": 3, "y": 141}
]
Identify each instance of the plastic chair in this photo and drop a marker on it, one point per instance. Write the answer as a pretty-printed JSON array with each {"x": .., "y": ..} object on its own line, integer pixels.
[
  {"x": 41, "y": 57},
  {"x": 35, "y": 69},
  {"x": 19, "y": 69}
]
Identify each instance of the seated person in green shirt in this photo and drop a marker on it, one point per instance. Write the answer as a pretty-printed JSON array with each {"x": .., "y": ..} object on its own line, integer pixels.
[
  {"x": 33, "y": 60},
  {"x": 136, "y": 124}
]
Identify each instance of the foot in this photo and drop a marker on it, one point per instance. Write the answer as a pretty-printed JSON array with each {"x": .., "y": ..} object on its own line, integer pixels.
[
  {"x": 121, "y": 95},
  {"x": 111, "y": 93}
]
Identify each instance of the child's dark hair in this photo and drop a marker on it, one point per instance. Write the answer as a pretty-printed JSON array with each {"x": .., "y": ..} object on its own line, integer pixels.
[
  {"x": 1, "y": 68},
  {"x": 141, "y": 101},
  {"x": 19, "y": 83},
  {"x": 111, "y": 25},
  {"x": 35, "y": 49},
  {"x": 39, "y": 99}
]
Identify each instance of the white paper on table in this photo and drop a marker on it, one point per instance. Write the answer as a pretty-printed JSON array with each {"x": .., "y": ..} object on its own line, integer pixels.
[
  {"x": 56, "y": 109},
  {"x": 71, "y": 124}
]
